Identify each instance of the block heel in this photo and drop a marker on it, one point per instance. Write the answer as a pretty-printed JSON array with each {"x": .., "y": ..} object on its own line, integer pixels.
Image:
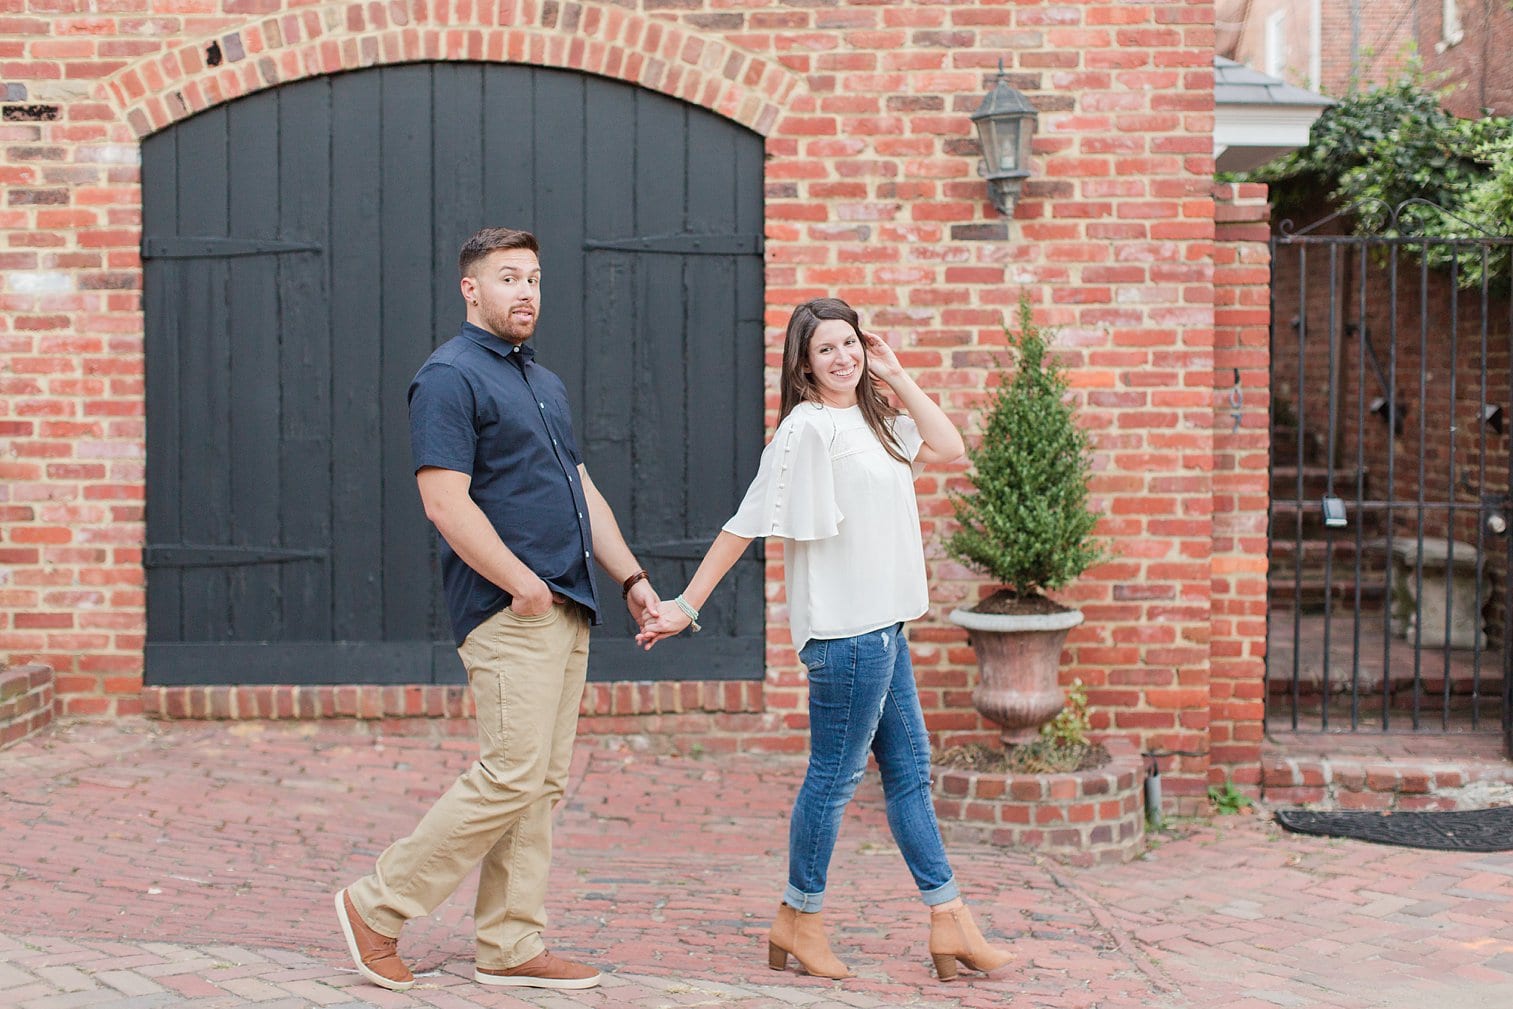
[
  {"x": 955, "y": 938},
  {"x": 802, "y": 936}
]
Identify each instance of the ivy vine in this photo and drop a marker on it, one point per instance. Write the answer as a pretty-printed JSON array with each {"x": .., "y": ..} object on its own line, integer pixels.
[{"x": 1376, "y": 149}]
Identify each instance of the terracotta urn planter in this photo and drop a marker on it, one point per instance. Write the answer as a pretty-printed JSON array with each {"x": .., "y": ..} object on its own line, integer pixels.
[{"x": 1018, "y": 656}]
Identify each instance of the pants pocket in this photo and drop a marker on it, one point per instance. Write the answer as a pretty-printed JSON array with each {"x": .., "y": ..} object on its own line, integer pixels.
[
  {"x": 813, "y": 654},
  {"x": 540, "y": 618}
]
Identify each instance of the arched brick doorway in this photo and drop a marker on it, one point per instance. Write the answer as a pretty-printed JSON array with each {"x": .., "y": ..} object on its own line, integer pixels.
[{"x": 299, "y": 248}]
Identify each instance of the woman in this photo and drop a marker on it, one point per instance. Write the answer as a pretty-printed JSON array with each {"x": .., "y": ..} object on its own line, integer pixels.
[{"x": 837, "y": 484}]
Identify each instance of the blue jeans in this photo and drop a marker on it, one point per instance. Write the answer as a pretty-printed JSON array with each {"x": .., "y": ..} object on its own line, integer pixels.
[{"x": 862, "y": 698}]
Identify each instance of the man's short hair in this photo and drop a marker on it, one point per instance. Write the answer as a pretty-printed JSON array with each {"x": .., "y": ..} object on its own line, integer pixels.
[{"x": 492, "y": 240}]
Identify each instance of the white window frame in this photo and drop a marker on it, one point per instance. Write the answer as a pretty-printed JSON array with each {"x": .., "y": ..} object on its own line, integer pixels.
[
  {"x": 1276, "y": 44},
  {"x": 1451, "y": 28},
  {"x": 1316, "y": 46}
]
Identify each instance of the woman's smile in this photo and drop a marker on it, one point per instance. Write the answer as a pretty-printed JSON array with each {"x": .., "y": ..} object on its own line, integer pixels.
[{"x": 836, "y": 362}]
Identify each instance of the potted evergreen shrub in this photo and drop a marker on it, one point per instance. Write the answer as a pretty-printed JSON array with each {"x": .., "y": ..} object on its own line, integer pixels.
[{"x": 1025, "y": 523}]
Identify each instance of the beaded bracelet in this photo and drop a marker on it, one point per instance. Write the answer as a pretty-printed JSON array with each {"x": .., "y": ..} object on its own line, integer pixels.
[{"x": 689, "y": 611}]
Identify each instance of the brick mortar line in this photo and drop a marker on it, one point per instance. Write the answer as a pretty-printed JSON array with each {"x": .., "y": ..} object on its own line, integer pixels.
[
  {"x": 55, "y": 744},
  {"x": 271, "y": 961},
  {"x": 1124, "y": 942}
]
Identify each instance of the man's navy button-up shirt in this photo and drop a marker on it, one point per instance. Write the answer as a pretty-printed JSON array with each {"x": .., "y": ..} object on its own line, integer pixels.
[{"x": 484, "y": 407}]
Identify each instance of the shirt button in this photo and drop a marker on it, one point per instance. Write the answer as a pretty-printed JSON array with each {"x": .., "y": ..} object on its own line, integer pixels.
[
  {"x": 585, "y": 554},
  {"x": 542, "y": 405}
]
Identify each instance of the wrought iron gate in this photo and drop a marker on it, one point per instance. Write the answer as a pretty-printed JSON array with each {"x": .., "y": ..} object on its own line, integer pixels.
[{"x": 1389, "y": 547}]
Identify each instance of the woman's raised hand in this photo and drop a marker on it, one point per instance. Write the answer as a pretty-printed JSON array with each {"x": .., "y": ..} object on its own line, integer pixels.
[
  {"x": 881, "y": 360},
  {"x": 669, "y": 621}
]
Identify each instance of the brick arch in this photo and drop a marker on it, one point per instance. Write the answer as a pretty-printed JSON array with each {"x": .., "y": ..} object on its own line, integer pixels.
[{"x": 587, "y": 36}]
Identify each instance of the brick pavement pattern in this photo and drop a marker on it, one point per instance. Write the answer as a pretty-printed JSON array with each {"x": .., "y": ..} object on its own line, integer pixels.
[{"x": 191, "y": 864}]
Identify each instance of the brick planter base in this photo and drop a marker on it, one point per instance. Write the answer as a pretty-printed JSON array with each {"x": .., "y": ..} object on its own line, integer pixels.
[
  {"x": 26, "y": 702},
  {"x": 1082, "y": 818}
]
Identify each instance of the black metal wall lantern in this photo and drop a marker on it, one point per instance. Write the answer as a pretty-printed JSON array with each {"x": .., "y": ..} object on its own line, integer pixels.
[
  {"x": 1005, "y": 123},
  {"x": 1389, "y": 411},
  {"x": 1492, "y": 415}
]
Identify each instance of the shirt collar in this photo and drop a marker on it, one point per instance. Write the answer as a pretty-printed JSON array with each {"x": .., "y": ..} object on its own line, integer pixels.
[{"x": 520, "y": 352}]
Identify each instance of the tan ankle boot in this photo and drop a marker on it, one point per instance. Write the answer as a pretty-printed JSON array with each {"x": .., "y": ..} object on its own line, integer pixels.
[
  {"x": 803, "y": 935},
  {"x": 954, "y": 936}
]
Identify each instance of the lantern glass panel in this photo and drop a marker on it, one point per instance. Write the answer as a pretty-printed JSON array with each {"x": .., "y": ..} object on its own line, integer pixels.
[{"x": 1006, "y": 140}]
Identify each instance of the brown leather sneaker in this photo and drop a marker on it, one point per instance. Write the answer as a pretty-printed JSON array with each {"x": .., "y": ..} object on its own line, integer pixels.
[
  {"x": 545, "y": 971},
  {"x": 375, "y": 954}
]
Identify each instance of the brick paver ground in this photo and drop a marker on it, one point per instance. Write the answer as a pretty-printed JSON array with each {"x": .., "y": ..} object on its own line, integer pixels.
[{"x": 146, "y": 865}]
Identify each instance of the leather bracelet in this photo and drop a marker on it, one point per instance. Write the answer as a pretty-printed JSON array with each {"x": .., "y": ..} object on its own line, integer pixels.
[{"x": 630, "y": 582}]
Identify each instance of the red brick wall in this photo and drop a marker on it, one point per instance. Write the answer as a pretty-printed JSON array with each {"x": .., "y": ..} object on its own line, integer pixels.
[
  {"x": 1381, "y": 31},
  {"x": 1242, "y": 361},
  {"x": 1384, "y": 42},
  {"x": 1388, "y": 34},
  {"x": 872, "y": 194},
  {"x": 1476, "y": 71},
  {"x": 26, "y": 702}
]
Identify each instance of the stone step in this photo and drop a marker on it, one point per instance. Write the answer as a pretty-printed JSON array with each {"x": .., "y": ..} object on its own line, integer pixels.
[
  {"x": 1458, "y": 770},
  {"x": 1317, "y": 481},
  {"x": 1287, "y": 510},
  {"x": 1311, "y": 553},
  {"x": 1311, "y": 593}
]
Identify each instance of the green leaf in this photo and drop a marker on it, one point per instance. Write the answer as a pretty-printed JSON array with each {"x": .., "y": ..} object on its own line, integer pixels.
[{"x": 1394, "y": 143}]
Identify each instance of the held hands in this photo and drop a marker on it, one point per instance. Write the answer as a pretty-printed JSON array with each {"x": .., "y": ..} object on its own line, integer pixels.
[
  {"x": 672, "y": 621},
  {"x": 643, "y": 603}
]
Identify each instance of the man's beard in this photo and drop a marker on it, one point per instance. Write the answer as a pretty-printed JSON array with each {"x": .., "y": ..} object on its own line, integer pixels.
[{"x": 504, "y": 326}]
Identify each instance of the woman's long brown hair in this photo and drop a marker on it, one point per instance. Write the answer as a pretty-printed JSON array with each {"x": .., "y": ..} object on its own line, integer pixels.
[{"x": 799, "y": 387}]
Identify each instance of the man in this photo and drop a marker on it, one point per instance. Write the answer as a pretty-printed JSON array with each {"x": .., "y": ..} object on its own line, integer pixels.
[{"x": 502, "y": 480}]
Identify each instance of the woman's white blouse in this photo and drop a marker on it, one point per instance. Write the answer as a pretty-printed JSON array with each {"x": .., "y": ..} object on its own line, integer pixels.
[{"x": 854, "y": 560}]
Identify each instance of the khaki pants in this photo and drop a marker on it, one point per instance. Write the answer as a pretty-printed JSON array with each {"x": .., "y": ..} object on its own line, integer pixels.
[{"x": 527, "y": 675}]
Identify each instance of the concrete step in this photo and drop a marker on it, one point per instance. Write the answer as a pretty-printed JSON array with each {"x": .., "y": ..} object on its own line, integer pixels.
[
  {"x": 1317, "y": 480},
  {"x": 1310, "y": 595},
  {"x": 1386, "y": 771}
]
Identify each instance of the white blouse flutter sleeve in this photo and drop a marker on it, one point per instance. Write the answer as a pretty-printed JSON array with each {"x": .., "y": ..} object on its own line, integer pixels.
[
  {"x": 853, "y": 560},
  {"x": 793, "y": 495}
]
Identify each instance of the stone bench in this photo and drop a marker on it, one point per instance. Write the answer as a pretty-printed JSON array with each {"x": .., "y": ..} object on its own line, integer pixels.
[{"x": 1427, "y": 610}]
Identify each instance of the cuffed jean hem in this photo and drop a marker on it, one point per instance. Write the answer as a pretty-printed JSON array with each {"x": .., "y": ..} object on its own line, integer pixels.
[
  {"x": 941, "y": 894},
  {"x": 809, "y": 903}
]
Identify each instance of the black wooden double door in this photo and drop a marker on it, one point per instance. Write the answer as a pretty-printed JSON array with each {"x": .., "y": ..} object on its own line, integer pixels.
[{"x": 300, "y": 253}]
